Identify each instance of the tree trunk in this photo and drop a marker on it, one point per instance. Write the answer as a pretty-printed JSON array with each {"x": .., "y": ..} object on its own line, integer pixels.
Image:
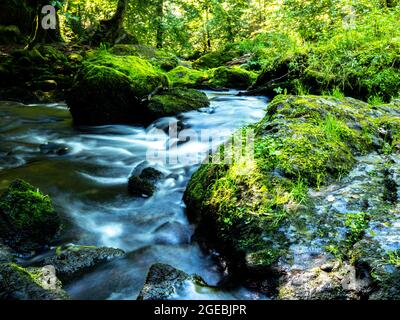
[
  {"x": 110, "y": 30},
  {"x": 41, "y": 34},
  {"x": 160, "y": 26}
]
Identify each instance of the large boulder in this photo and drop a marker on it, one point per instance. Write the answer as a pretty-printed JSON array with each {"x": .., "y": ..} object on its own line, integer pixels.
[
  {"x": 164, "y": 282},
  {"x": 113, "y": 89},
  {"x": 73, "y": 261},
  {"x": 28, "y": 221},
  {"x": 182, "y": 76},
  {"x": 17, "y": 283},
  {"x": 233, "y": 78},
  {"x": 301, "y": 218}
]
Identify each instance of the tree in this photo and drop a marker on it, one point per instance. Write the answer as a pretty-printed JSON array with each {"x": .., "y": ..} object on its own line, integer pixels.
[
  {"x": 160, "y": 22},
  {"x": 110, "y": 30}
]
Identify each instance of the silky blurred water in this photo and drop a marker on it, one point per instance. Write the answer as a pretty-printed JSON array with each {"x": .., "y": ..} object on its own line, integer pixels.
[{"x": 88, "y": 185}]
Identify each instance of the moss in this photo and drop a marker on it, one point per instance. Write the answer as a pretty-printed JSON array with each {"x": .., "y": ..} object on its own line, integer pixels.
[
  {"x": 159, "y": 58},
  {"x": 28, "y": 220},
  {"x": 236, "y": 78},
  {"x": 111, "y": 89},
  {"x": 302, "y": 142},
  {"x": 18, "y": 283},
  {"x": 215, "y": 59},
  {"x": 143, "y": 76},
  {"x": 176, "y": 101},
  {"x": 185, "y": 77},
  {"x": 10, "y": 34}
]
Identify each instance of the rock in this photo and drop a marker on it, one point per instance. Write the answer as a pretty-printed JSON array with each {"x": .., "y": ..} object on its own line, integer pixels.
[
  {"x": 215, "y": 59},
  {"x": 234, "y": 78},
  {"x": 183, "y": 76},
  {"x": 43, "y": 85},
  {"x": 174, "y": 101},
  {"x": 113, "y": 89},
  {"x": 10, "y": 35},
  {"x": 280, "y": 76},
  {"x": 54, "y": 148},
  {"x": 6, "y": 254},
  {"x": 28, "y": 221},
  {"x": 143, "y": 185},
  {"x": 316, "y": 188},
  {"x": 165, "y": 282},
  {"x": 74, "y": 261},
  {"x": 17, "y": 283}
]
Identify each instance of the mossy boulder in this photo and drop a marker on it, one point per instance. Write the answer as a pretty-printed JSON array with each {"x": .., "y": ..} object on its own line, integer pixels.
[
  {"x": 10, "y": 35},
  {"x": 28, "y": 221},
  {"x": 164, "y": 282},
  {"x": 159, "y": 58},
  {"x": 73, "y": 261},
  {"x": 113, "y": 89},
  {"x": 233, "y": 78},
  {"x": 215, "y": 59},
  {"x": 17, "y": 283},
  {"x": 144, "y": 184},
  {"x": 259, "y": 212},
  {"x": 182, "y": 76},
  {"x": 173, "y": 101}
]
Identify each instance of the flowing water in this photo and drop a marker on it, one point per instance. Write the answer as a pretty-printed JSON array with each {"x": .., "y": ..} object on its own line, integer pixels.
[{"x": 87, "y": 180}]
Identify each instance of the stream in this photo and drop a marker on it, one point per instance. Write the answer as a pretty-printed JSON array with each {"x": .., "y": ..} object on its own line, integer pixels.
[{"x": 85, "y": 171}]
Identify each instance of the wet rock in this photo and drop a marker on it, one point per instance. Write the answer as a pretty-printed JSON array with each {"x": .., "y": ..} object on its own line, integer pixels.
[
  {"x": 280, "y": 224},
  {"x": 17, "y": 283},
  {"x": 174, "y": 101},
  {"x": 74, "y": 261},
  {"x": 143, "y": 185},
  {"x": 165, "y": 282},
  {"x": 6, "y": 254},
  {"x": 28, "y": 221},
  {"x": 54, "y": 148}
]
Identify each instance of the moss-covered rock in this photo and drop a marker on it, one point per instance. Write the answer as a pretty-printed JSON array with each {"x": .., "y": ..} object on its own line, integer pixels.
[
  {"x": 27, "y": 218},
  {"x": 112, "y": 89},
  {"x": 173, "y": 101},
  {"x": 185, "y": 77},
  {"x": 215, "y": 59},
  {"x": 233, "y": 78},
  {"x": 73, "y": 261},
  {"x": 10, "y": 35},
  {"x": 258, "y": 211},
  {"x": 25, "y": 75},
  {"x": 159, "y": 58},
  {"x": 17, "y": 283},
  {"x": 165, "y": 283}
]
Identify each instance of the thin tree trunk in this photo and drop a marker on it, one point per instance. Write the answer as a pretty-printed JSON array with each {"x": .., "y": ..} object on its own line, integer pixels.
[{"x": 160, "y": 26}]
